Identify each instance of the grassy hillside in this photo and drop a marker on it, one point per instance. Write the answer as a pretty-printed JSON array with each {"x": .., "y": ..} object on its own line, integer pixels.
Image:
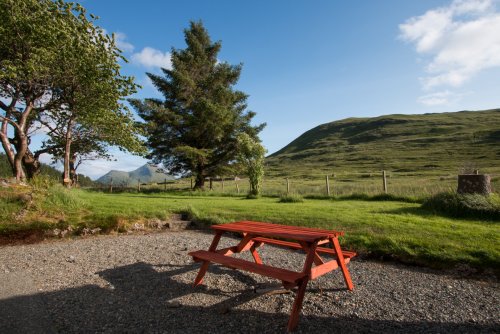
[{"x": 428, "y": 143}]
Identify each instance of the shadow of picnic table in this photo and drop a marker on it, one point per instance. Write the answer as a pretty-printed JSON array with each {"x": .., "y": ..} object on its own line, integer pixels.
[{"x": 140, "y": 299}]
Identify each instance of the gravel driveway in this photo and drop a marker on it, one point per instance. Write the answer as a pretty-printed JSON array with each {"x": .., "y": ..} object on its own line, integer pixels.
[{"x": 143, "y": 284}]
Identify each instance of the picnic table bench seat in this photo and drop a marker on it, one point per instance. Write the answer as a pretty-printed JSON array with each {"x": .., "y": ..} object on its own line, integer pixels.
[{"x": 261, "y": 269}]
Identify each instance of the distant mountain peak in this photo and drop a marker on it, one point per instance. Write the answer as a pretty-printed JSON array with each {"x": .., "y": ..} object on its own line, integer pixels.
[{"x": 148, "y": 173}]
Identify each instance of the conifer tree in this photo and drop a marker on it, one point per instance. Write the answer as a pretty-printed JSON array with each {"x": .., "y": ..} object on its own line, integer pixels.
[{"x": 194, "y": 129}]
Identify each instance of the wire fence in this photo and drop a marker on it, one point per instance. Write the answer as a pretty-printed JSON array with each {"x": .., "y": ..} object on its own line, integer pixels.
[{"x": 338, "y": 184}]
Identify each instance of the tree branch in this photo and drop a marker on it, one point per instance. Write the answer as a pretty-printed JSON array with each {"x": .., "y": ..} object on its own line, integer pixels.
[{"x": 14, "y": 123}]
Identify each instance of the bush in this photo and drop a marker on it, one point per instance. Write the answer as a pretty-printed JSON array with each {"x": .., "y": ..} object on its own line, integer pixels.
[
  {"x": 291, "y": 199},
  {"x": 465, "y": 205},
  {"x": 201, "y": 220}
]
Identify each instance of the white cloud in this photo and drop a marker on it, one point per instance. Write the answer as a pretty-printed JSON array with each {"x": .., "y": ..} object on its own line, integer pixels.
[
  {"x": 461, "y": 40},
  {"x": 122, "y": 44},
  {"x": 439, "y": 98},
  {"x": 150, "y": 57}
]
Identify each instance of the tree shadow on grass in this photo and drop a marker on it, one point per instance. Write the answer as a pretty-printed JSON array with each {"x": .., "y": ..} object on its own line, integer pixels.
[
  {"x": 422, "y": 212},
  {"x": 140, "y": 299}
]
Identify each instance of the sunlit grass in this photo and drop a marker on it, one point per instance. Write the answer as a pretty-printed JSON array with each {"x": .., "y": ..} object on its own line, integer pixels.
[{"x": 398, "y": 229}]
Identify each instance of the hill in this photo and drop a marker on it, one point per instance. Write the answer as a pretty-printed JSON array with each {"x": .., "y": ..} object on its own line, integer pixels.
[
  {"x": 146, "y": 174},
  {"x": 405, "y": 143},
  {"x": 45, "y": 169}
]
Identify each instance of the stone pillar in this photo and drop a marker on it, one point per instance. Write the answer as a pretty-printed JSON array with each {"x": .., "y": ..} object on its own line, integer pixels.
[{"x": 474, "y": 184}]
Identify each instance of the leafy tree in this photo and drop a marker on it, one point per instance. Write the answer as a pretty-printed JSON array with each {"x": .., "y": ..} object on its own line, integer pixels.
[
  {"x": 194, "y": 129},
  {"x": 251, "y": 155},
  {"x": 56, "y": 64}
]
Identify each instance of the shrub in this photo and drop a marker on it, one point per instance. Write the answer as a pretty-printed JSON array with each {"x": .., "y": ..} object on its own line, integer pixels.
[
  {"x": 465, "y": 205},
  {"x": 192, "y": 214},
  {"x": 291, "y": 199}
]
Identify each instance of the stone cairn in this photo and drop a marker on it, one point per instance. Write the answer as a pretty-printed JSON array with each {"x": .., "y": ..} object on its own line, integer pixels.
[{"x": 474, "y": 184}]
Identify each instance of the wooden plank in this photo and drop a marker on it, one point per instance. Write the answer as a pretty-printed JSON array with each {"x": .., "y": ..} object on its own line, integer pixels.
[
  {"x": 287, "y": 228},
  {"x": 261, "y": 269},
  {"x": 324, "y": 268},
  {"x": 280, "y": 231},
  {"x": 295, "y": 245}
]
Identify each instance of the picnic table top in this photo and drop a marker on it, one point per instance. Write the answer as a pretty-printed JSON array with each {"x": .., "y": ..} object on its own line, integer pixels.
[{"x": 298, "y": 233}]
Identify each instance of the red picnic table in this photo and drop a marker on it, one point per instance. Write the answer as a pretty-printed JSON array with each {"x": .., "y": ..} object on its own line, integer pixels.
[{"x": 312, "y": 241}]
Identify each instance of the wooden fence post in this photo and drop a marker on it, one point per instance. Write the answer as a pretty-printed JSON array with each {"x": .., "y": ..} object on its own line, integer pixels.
[
  {"x": 327, "y": 186},
  {"x": 222, "y": 180},
  {"x": 385, "y": 181},
  {"x": 165, "y": 185},
  {"x": 287, "y": 186},
  {"x": 191, "y": 182},
  {"x": 111, "y": 185},
  {"x": 211, "y": 185},
  {"x": 237, "y": 186},
  {"x": 139, "y": 185}
]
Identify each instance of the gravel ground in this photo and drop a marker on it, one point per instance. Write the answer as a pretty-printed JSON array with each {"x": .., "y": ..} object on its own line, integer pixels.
[{"x": 143, "y": 283}]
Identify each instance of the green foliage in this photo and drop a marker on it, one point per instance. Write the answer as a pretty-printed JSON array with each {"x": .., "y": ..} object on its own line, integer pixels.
[
  {"x": 251, "y": 155},
  {"x": 194, "y": 129},
  {"x": 291, "y": 198},
  {"x": 45, "y": 170},
  {"x": 465, "y": 205},
  {"x": 79, "y": 100},
  {"x": 5, "y": 169}
]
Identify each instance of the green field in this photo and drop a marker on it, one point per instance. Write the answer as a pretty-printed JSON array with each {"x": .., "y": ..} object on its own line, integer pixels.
[{"x": 395, "y": 229}]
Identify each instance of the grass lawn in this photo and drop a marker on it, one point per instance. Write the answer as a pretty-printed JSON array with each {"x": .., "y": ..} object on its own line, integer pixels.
[{"x": 400, "y": 230}]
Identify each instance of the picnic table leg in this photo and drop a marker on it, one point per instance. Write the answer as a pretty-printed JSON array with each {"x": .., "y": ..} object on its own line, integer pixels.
[
  {"x": 199, "y": 278},
  {"x": 341, "y": 263},
  {"x": 255, "y": 254},
  {"x": 297, "y": 304}
]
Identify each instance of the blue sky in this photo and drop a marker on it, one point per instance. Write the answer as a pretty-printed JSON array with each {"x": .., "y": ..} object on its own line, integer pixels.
[{"x": 310, "y": 62}]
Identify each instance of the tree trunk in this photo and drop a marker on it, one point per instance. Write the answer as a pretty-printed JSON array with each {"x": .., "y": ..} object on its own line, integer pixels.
[
  {"x": 21, "y": 148},
  {"x": 6, "y": 145},
  {"x": 200, "y": 181},
  {"x": 72, "y": 170},
  {"x": 67, "y": 155},
  {"x": 31, "y": 164}
]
